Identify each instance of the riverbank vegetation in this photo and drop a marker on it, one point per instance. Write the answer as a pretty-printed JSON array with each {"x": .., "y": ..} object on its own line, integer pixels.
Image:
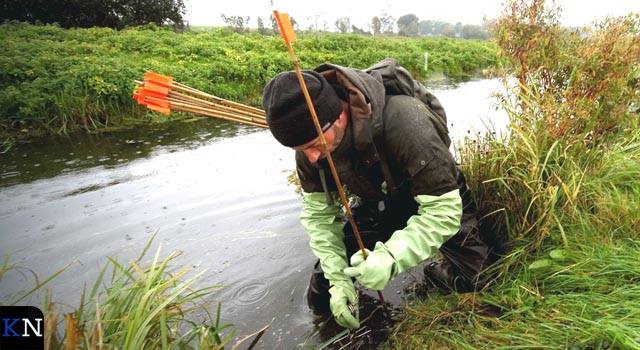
[
  {"x": 559, "y": 190},
  {"x": 140, "y": 305},
  {"x": 55, "y": 80}
]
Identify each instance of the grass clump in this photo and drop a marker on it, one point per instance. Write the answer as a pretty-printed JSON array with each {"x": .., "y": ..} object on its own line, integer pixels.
[
  {"x": 559, "y": 192},
  {"x": 136, "y": 307}
]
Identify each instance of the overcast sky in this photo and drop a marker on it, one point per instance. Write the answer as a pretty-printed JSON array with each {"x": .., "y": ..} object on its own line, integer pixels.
[{"x": 360, "y": 12}]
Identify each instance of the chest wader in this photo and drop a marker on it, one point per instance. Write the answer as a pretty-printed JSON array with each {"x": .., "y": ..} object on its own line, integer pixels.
[{"x": 465, "y": 255}]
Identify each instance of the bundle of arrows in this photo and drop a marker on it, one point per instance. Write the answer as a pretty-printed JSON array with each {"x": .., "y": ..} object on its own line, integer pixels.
[{"x": 162, "y": 94}]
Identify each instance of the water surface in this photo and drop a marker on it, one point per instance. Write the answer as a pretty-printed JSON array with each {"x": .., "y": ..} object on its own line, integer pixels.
[{"x": 214, "y": 190}]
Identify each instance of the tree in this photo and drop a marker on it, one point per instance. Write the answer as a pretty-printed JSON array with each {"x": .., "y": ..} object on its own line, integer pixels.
[
  {"x": 261, "y": 28},
  {"x": 459, "y": 28},
  {"x": 388, "y": 24},
  {"x": 96, "y": 13},
  {"x": 343, "y": 24},
  {"x": 376, "y": 26},
  {"x": 425, "y": 27},
  {"x": 313, "y": 26},
  {"x": 274, "y": 24},
  {"x": 449, "y": 30},
  {"x": 470, "y": 31},
  {"x": 438, "y": 27},
  {"x": 235, "y": 23},
  {"x": 408, "y": 25},
  {"x": 356, "y": 30}
]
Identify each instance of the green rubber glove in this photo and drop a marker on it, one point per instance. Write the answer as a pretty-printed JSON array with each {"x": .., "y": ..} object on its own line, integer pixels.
[
  {"x": 437, "y": 219},
  {"x": 324, "y": 225},
  {"x": 344, "y": 304}
]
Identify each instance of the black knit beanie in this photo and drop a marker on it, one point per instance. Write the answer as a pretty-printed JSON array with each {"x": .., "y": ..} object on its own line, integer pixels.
[{"x": 287, "y": 112}]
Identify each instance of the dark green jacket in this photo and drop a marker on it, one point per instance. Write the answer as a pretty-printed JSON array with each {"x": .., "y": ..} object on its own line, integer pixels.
[{"x": 410, "y": 137}]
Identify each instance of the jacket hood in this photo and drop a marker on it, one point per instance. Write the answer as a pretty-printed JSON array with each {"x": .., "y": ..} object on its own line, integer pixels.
[{"x": 366, "y": 100}]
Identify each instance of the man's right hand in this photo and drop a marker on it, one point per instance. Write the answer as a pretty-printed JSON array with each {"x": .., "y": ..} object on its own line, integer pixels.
[{"x": 344, "y": 304}]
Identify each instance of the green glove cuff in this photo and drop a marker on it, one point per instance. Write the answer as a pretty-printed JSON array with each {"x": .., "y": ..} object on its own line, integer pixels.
[
  {"x": 324, "y": 225},
  {"x": 437, "y": 219}
]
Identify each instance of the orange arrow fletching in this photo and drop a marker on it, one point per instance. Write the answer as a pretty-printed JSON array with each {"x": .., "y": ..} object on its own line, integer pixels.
[
  {"x": 163, "y": 110},
  {"x": 158, "y": 78},
  {"x": 153, "y": 86},
  {"x": 157, "y": 101},
  {"x": 138, "y": 97},
  {"x": 285, "y": 27},
  {"x": 152, "y": 99},
  {"x": 158, "y": 104},
  {"x": 145, "y": 92}
]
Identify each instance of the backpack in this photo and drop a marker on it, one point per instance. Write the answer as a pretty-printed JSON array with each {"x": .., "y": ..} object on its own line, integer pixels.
[{"x": 398, "y": 81}]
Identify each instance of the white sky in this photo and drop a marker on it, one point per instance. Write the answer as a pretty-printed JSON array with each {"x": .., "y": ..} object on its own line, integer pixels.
[{"x": 360, "y": 12}]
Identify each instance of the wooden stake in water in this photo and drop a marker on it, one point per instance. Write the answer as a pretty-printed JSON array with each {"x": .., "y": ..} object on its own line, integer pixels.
[{"x": 289, "y": 36}]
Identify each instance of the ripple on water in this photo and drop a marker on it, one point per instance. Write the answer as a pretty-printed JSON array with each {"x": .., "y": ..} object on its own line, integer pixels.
[
  {"x": 250, "y": 294},
  {"x": 277, "y": 254}
]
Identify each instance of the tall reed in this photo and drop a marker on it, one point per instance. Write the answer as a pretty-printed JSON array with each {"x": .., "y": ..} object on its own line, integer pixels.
[
  {"x": 558, "y": 190},
  {"x": 136, "y": 306}
]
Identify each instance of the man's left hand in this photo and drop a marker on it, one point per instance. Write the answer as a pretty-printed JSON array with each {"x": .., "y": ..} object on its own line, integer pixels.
[{"x": 375, "y": 271}]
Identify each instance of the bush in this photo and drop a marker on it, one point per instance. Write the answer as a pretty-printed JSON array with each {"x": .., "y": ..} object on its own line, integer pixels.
[{"x": 56, "y": 80}]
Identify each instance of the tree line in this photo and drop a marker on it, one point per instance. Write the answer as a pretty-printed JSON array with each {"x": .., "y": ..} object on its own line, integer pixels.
[
  {"x": 119, "y": 14},
  {"x": 116, "y": 14},
  {"x": 408, "y": 25}
]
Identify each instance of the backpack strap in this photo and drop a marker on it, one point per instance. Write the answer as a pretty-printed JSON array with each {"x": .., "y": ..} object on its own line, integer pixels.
[
  {"x": 386, "y": 173},
  {"x": 378, "y": 134},
  {"x": 323, "y": 180}
]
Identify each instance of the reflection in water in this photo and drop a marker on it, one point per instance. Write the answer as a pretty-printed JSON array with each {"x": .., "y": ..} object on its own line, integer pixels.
[
  {"x": 56, "y": 155},
  {"x": 215, "y": 190}
]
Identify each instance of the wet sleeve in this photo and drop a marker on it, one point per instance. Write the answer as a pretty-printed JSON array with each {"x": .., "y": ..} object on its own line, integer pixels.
[{"x": 414, "y": 143}]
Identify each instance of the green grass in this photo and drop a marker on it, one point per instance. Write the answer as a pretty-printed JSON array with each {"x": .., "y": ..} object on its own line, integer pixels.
[
  {"x": 55, "y": 80},
  {"x": 560, "y": 191},
  {"x": 569, "y": 278},
  {"x": 586, "y": 300},
  {"x": 135, "y": 306}
]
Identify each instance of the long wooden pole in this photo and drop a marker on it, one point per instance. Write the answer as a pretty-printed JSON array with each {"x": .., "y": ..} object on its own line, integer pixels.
[{"x": 327, "y": 154}]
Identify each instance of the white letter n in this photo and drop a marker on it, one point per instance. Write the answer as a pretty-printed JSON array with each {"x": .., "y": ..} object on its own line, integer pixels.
[{"x": 28, "y": 323}]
